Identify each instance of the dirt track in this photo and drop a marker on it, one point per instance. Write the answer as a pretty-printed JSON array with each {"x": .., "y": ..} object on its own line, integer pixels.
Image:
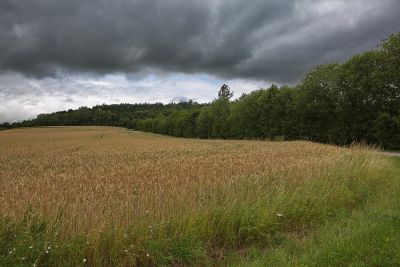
[{"x": 392, "y": 154}]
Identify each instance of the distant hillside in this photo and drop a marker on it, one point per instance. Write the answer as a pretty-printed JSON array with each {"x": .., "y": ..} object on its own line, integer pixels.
[{"x": 108, "y": 115}]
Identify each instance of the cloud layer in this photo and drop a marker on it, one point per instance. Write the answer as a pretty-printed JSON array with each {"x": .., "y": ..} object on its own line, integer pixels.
[
  {"x": 58, "y": 54},
  {"x": 24, "y": 97},
  {"x": 259, "y": 39}
]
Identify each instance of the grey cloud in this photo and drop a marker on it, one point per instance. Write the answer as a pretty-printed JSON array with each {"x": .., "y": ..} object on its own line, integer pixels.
[
  {"x": 260, "y": 39},
  {"x": 179, "y": 99}
]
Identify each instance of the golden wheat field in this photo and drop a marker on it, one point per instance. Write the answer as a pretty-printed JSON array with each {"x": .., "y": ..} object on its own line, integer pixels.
[{"x": 97, "y": 176}]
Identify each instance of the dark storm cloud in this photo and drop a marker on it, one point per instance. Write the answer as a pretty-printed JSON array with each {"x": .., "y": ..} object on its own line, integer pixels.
[{"x": 270, "y": 40}]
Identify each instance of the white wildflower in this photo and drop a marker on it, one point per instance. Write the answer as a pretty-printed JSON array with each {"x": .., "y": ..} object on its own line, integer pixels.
[{"x": 279, "y": 214}]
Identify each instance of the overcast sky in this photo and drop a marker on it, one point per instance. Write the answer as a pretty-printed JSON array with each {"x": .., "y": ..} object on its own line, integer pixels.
[{"x": 58, "y": 54}]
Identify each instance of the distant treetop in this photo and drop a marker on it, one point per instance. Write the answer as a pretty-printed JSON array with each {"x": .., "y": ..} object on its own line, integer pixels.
[{"x": 225, "y": 92}]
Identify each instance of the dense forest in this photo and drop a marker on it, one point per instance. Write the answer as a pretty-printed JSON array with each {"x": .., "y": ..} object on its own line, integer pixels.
[{"x": 356, "y": 101}]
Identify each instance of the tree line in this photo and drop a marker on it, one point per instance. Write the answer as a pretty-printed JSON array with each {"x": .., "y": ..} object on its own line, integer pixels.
[{"x": 356, "y": 101}]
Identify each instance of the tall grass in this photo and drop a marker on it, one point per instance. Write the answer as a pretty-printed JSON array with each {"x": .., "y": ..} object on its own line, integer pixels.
[
  {"x": 137, "y": 199},
  {"x": 366, "y": 236}
]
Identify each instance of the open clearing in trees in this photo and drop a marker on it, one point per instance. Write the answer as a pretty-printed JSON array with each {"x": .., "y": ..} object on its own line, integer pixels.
[{"x": 105, "y": 196}]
